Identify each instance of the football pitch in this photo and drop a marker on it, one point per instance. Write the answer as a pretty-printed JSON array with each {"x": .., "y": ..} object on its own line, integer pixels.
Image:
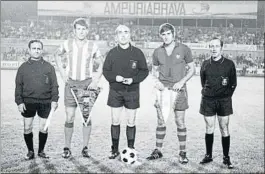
[{"x": 246, "y": 130}]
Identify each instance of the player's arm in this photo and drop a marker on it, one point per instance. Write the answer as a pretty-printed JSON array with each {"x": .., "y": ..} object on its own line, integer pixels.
[
  {"x": 58, "y": 60},
  {"x": 98, "y": 58},
  {"x": 155, "y": 71},
  {"x": 108, "y": 73},
  {"x": 233, "y": 79},
  {"x": 190, "y": 64},
  {"x": 143, "y": 69},
  {"x": 155, "y": 66}
]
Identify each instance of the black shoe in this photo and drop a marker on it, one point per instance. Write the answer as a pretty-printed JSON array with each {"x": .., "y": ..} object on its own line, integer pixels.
[
  {"x": 114, "y": 153},
  {"x": 155, "y": 155},
  {"x": 43, "y": 155},
  {"x": 183, "y": 157},
  {"x": 66, "y": 153},
  {"x": 30, "y": 155},
  {"x": 227, "y": 162},
  {"x": 85, "y": 152},
  {"x": 206, "y": 159}
]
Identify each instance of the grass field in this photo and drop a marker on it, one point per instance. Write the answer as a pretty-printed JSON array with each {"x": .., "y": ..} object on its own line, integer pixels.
[{"x": 246, "y": 129}]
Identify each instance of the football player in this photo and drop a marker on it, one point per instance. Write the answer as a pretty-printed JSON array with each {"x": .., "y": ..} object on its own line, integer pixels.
[
  {"x": 81, "y": 54},
  {"x": 170, "y": 73}
]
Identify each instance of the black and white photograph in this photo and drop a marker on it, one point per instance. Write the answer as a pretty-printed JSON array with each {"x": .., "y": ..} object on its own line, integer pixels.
[{"x": 132, "y": 86}]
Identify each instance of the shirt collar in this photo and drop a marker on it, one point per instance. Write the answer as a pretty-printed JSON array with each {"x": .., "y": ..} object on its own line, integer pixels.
[
  {"x": 176, "y": 45},
  {"x": 120, "y": 48},
  {"x": 30, "y": 61},
  {"x": 218, "y": 61}
]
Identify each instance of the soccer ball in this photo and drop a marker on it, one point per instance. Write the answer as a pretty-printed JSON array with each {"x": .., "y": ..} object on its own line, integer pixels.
[{"x": 128, "y": 156}]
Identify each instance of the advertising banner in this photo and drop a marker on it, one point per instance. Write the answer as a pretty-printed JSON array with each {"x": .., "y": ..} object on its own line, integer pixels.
[{"x": 169, "y": 9}]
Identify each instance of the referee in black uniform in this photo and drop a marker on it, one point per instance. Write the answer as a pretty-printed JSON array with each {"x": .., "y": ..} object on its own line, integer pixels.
[
  {"x": 125, "y": 68},
  {"x": 36, "y": 92},
  {"x": 219, "y": 81}
]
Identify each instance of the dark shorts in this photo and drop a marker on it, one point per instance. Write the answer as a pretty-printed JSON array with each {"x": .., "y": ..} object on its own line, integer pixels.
[
  {"x": 69, "y": 100},
  {"x": 128, "y": 99},
  {"x": 221, "y": 107},
  {"x": 42, "y": 109}
]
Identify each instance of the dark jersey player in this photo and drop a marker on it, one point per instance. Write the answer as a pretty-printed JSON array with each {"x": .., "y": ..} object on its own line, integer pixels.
[{"x": 218, "y": 79}]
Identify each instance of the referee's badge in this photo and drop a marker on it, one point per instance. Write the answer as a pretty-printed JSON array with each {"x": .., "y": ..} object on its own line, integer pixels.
[
  {"x": 177, "y": 56},
  {"x": 133, "y": 64},
  {"x": 224, "y": 81}
]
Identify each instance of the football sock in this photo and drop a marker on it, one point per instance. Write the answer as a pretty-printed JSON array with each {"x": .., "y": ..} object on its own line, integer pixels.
[
  {"x": 130, "y": 132},
  {"x": 182, "y": 136},
  {"x": 209, "y": 143},
  {"x": 226, "y": 145},
  {"x": 29, "y": 141},
  {"x": 42, "y": 141},
  {"x": 160, "y": 135},
  {"x": 68, "y": 130},
  {"x": 86, "y": 133},
  {"x": 115, "y": 135}
]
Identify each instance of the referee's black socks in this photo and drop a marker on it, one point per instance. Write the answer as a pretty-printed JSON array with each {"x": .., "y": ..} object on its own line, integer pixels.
[
  {"x": 115, "y": 136},
  {"x": 29, "y": 141},
  {"x": 209, "y": 143},
  {"x": 226, "y": 145},
  {"x": 130, "y": 132},
  {"x": 42, "y": 141}
]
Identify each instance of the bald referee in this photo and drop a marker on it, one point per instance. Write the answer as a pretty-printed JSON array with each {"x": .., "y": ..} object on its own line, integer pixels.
[
  {"x": 125, "y": 68},
  {"x": 219, "y": 81}
]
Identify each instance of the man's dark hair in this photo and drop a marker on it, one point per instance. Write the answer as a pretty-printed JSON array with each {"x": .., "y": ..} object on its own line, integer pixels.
[
  {"x": 33, "y": 41},
  {"x": 81, "y": 21},
  {"x": 221, "y": 42},
  {"x": 165, "y": 27}
]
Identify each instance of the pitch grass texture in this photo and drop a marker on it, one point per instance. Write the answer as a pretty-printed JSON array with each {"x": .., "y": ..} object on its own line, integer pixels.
[{"x": 246, "y": 129}]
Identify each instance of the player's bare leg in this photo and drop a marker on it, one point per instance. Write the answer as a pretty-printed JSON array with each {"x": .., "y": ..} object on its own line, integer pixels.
[
  {"x": 131, "y": 128},
  {"x": 68, "y": 130},
  {"x": 182, "y": 135},
  {"x": 43, "y": 135},
  {"x": 115, "y": 131},
  {"x": 209, "y": 138},
  {"x": 28, "y": 136},
  {"x": 223, "y": 124}
]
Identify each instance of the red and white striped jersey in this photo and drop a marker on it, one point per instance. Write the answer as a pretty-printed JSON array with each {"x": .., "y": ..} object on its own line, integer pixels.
[{"x": 79, "y": 58}]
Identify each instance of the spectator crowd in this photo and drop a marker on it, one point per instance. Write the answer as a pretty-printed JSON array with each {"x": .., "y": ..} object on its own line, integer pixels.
[{"x": 61, "y": 30}]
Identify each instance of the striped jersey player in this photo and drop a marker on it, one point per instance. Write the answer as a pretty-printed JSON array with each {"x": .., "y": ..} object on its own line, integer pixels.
[{"x": 80, "y": 53}]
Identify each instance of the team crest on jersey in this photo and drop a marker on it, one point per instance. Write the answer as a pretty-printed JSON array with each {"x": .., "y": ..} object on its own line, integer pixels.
[
  {"x": 177, "y": 56},
  {"x": 224, "y": 81},
  {"x": 133, "y": 64}
]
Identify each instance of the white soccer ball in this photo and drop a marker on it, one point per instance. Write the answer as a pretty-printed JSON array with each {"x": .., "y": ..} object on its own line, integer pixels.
[{"x": 128, "y": 156}]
